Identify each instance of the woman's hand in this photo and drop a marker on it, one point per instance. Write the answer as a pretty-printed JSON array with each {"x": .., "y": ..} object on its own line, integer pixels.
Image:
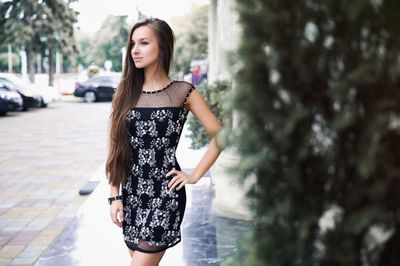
[
  {"x": 180, "y": 179},
  {"x": 117, "y": 212}
]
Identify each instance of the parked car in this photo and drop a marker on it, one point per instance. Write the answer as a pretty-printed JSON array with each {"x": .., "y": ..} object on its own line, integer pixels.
[
  {"x": 47, "y": 93},
  {"x": 29, "y": 97},
  {"x": 97, "y": 88},
  {"x": 9, "y": 101}
]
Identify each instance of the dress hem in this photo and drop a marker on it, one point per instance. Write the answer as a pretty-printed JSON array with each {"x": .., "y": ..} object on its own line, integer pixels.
[{"x": 135, "y": 248}]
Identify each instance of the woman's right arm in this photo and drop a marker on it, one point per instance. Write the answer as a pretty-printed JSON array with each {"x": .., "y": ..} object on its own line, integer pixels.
[
  {"x": 116, "y": 208},
  {"x": 114, "y": 191}
]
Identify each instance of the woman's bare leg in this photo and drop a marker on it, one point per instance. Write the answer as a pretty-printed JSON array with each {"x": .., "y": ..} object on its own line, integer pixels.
[
  {"x": 131, "y": 252},
  {"x": 146, "y": 259}
]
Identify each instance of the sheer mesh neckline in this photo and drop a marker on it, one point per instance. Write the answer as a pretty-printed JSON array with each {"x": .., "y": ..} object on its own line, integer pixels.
[
  {"x": 174, "y": 94},
  {"x": 155, "y": 91}
]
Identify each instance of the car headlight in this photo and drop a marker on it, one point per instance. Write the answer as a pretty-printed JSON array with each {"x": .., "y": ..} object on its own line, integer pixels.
[{"x": 5, "y": 96}]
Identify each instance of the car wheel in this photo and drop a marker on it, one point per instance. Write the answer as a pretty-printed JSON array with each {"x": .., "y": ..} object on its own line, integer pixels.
[
  {"x": 42, "y": 103},
  {"x": 90, "y": 97}
]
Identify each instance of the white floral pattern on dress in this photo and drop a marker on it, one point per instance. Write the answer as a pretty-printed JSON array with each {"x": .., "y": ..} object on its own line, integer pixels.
[
  {"x": 157, "y": 173},
  {"x": 165, "y": 193},
  {"x": 161, "y": 115},
  {"x": 136, "y": 170},
  {"x": 145, "y": 186},
  {"x": 169, "y": 157},
  {"x": 137, "y": 142},
  {"x": 177, "y": 220},
  {"x": 155, "y": 203},
  {"x": 132, "y": 114},
  {"x": 131, "y": 234},
  {"x": 172, "y": 204},
  {"x": 160, "y": 218},
  {"x": 146, "y": 127},
  {"x": 147, "y": 156},
  {"x": 169, "y": 236},
  {"x": 160, "y": 143},
  {"x": 141, "y": 216},
  {"x": 146, "y": 233},
  {"x": 173, "y": 127}
]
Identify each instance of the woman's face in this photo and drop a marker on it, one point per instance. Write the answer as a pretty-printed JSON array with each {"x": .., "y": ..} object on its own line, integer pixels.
[{"x": 145, "y": 50}]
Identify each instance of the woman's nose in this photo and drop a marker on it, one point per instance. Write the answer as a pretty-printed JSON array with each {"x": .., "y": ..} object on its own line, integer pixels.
[{"x": 135, "y": 49}]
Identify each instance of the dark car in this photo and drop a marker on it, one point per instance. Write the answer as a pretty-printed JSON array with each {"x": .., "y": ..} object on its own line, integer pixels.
[
  {"x": 97, "y": 88},
  {"x": 9, "y": 101},
  {"x": 29, "y": 97}
]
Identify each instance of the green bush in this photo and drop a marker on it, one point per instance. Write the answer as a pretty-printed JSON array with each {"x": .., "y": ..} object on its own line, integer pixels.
[
  {"x": 216, "y": 96},
  {"x": 4, "y": 62},
  {"x": 318, "y": 126}
]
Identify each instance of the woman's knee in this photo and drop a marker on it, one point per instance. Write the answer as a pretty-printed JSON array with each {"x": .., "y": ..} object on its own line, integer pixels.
[
  {"x": 131, "y": 252},
  {"x": 146, "y": 259}
]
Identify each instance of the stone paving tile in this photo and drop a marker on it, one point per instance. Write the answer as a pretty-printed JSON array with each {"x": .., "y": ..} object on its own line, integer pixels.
[
  {"x": 5, "y": 237},
  {"x": 10, "y": 251},
  {"x": 4, "y": 221},
  {"x": 23, "y": 237},
  {"x": 39, "y": 224},
  {"x": 29, "y": 255},
  {"x": 5, "y": 261}
]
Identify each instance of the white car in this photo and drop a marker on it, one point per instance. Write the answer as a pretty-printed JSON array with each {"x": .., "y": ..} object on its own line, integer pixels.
[{"x": 48, "y": 94}]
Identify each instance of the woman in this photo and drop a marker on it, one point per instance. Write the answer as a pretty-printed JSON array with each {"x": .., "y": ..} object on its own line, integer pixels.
[{"x": 148, "y": 113}]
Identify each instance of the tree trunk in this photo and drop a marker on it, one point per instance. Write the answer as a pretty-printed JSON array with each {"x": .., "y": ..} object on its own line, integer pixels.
[
  {"x": 31, "y": 62},
  {"x": 51, "y": 69}
]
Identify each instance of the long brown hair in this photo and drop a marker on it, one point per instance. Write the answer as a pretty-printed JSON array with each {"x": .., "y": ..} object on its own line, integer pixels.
[{"x": 126, "y": 97}]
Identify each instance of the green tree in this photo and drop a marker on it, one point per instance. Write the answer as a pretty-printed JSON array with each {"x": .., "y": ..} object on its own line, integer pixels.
[
  {"x": 106, "y": 43},
  {"x": 36, "y": 25},
  {"x": 191, "y": 37},
  {"x": 216, "y": 96},
  {"x": 4, "y": 59},
  {"x": 317, "y": 93}
]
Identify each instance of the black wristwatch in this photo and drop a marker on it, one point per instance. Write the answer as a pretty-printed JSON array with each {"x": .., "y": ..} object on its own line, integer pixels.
[{"x": 110, "y": 200}]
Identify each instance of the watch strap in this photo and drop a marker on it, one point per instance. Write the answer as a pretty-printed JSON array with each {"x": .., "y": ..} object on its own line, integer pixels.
[{"x": 111, "y": 199}]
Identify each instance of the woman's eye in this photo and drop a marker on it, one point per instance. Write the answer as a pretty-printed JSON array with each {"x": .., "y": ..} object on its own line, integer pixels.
[{"x": 144, "y": 43}]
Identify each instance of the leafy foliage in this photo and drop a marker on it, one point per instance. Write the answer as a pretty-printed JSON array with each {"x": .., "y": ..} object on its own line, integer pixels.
[
  {"x": 191, "y": 35},
  {"x": 106, "y": 44},
  {"x": 37, "y": 26},
  {"x": 318, "y": 125},
  {"x": 216, "y": 96},
  {"x": 4, "y": 59}
]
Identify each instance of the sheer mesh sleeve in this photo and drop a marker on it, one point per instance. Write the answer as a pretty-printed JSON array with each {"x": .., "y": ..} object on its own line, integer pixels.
[{"x": 174, "y": 95}]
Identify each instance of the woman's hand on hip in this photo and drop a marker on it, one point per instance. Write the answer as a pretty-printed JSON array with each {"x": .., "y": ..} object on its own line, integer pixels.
[
  {"x": 117, "y": 212},
  {"x": 180, "y": 179}
]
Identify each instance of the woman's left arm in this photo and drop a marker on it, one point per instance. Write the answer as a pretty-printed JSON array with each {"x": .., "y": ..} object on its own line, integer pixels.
[{"x": 202, "y": 112}]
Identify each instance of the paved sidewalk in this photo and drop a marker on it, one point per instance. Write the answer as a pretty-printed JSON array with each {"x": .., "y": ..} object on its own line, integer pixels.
[
  {"x": 92, "y": 239},
  {"x": 47, "y": 155}
]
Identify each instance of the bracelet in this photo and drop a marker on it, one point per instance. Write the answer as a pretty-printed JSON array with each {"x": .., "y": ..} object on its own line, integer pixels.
[{"x": 111, "y": 199}]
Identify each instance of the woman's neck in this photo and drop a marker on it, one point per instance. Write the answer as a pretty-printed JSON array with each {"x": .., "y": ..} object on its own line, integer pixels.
[{"x": 154, "y": 78}]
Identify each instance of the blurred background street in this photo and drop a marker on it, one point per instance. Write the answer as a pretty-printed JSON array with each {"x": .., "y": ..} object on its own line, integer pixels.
[
  {"x": 307, "y": 93},
  {"x": 48, "y": 156}
]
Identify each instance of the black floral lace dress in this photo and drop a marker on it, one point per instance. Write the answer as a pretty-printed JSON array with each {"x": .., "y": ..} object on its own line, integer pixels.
[{"x": 153, "y": 214}]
